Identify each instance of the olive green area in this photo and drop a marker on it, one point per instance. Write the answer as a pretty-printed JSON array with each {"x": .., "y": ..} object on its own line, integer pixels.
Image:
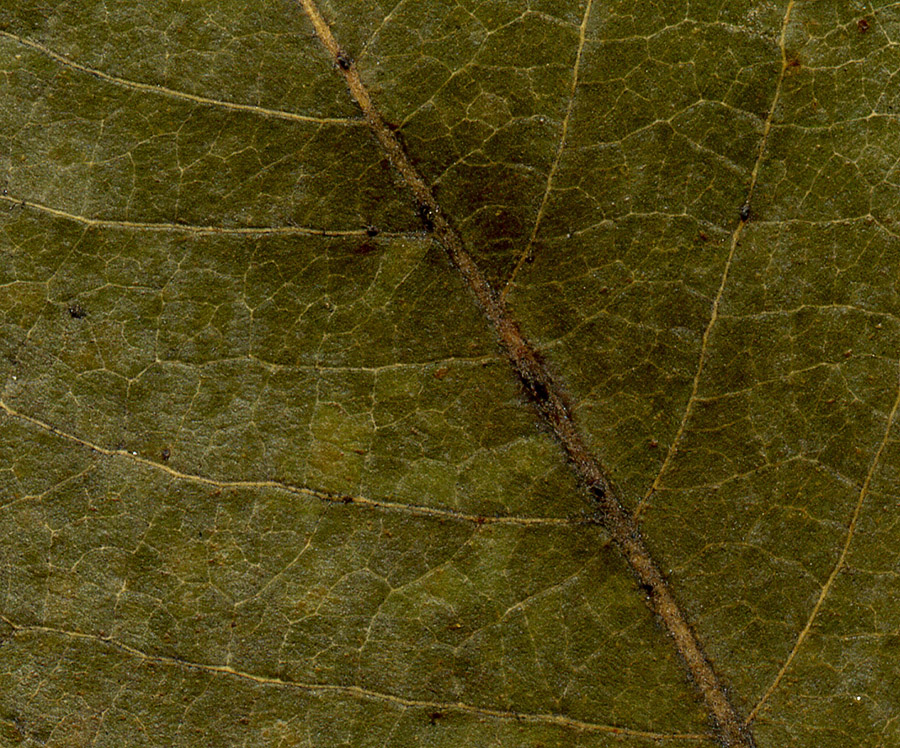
[
  {"x": 529, "y": 620},
  {"x": 265, "y": 477}
]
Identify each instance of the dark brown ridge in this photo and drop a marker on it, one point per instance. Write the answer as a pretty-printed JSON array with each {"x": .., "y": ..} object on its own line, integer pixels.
[{"x": 548, "y": 397}]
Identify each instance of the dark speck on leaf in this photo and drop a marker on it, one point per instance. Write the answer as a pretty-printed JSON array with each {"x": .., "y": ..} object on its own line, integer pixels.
[
  {"x": 426, "y": 215},
  {"x": 535, "y": 389},
  {"x": 166, "y": 454},
  {"x": 433, "y": 717},
  {"x": 343, "y": 61},
  {"x": 372, "y": 231},
  {"x": 745, "y": 212},
  {"x": 863, "y": 25},
  {"x": 76, "y": 311}
]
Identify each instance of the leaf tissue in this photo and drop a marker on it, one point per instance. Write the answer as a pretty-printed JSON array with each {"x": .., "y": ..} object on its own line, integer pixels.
[{"x": 450, "y": 373}]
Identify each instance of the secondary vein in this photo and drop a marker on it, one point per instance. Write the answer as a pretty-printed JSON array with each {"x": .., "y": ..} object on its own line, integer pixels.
[
  {"x": 354, "y": 692},
  {"x": 714, "y": 314},
  {"x": 189, "y": 228},
  {"x": 829, "y": 583},
  {"x": 172, "y": 93},
  {"x": 529, "y": 247},
  {"x": 329, "y": 498}
]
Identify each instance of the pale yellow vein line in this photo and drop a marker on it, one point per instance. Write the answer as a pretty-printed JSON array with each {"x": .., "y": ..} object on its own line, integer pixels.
[
  {"x": 735, "y": 237},
  {"x": 359, "y": 501},
  {"x": 829, "y": 583},
  {"x": 551, "y": 175},
  {"x": 357, "y": 692},
  {"x": 163, "y": 91},
  {"x": 188, "y": 228}
]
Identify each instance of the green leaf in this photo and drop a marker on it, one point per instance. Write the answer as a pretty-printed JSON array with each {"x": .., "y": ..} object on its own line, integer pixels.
[{"x": 449, "y": 374}]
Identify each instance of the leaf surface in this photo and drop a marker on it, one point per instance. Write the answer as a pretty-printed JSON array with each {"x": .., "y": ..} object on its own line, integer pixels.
[{"x": 268, "y": 477}]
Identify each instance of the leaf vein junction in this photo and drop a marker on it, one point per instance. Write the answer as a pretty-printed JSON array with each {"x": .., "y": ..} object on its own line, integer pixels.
[{"x": 550, "y": 402}]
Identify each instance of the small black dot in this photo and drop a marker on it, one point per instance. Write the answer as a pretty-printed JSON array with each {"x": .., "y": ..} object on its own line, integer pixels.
[
  {"x": 76, "y": 311},
  {"x": 166, "y": 454},
  {"x": 745, "y": 212},
  {"x": 344, "y": 61},
  {"x": 372, "y": 231},
  {"x": 426, "y": 215}
]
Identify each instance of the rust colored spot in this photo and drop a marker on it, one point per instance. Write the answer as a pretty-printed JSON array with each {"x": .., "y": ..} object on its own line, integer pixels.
[
  {"x": 863, "y": 25},
  {"x": 441, "y": 373}
]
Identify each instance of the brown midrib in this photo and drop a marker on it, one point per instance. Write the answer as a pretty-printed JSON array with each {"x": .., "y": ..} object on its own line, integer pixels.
[{"x": 550, "y": 401}]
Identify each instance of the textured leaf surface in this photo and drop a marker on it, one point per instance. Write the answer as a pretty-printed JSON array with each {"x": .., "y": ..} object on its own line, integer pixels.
[{"x": 267, "y": 478}]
